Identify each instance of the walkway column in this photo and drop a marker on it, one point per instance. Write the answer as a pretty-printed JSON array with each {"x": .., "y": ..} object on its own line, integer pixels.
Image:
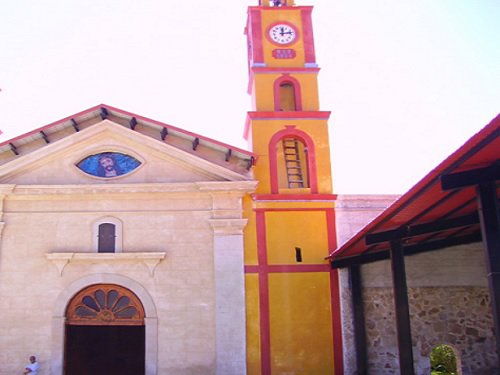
[
  {"x": 402, "y": 308},
  {"x": 489, "y": 216}
]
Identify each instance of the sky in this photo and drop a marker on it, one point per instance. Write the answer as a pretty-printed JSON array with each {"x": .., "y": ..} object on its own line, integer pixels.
[{"x": 407, "y": 81}]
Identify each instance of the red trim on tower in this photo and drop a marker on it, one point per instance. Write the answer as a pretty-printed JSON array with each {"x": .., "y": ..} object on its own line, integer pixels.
[
  {"x": 296, "y": 115},
  {"x": 277, "y": 9},
  {"x": 288, "y": 268},
  {"x": 265, "y": 115},
  {"x": 310, "y": 54},
  {"x": 285, "y": 78},
  {"x": 285, "y": 70},
  {"x": 335, "y": 298},
  {"x": 290, "y": 131},
  {"x": 256, "y": 34},
  {"x": 338, "y": 357},
  {"x": 294, "y": 197},
  {"x": 265, "y": 325}
]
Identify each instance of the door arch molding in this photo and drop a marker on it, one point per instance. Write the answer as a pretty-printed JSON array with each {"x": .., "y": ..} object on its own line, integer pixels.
[{"x": 59, "y": 318}]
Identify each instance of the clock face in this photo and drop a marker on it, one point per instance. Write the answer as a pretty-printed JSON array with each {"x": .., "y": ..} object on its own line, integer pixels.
[{"x": 282, "y": 33}]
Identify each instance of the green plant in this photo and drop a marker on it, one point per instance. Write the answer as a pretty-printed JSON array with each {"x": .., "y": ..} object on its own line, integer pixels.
[{"x": 443, "y": 360}]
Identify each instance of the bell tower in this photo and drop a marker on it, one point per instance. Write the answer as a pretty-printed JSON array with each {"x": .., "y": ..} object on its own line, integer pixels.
[
  {"x": 293, "y": 314},
  {"x": 283, "y": 85}
]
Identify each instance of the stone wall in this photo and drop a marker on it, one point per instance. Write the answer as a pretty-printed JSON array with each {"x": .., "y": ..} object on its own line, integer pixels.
[
  {"x": 449, "y": 304},
  {"x": 457, "y": 316},
  {"x": 352, "y": 213}
]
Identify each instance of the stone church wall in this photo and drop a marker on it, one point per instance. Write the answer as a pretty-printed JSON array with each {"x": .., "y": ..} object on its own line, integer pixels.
[{"x": 45, "y": 225}]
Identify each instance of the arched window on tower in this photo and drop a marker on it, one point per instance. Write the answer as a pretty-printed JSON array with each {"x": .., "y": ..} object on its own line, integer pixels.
[
  {"x": 293, "y": 164},
  {"x": 292, "y": 161},
  {"x": 287, "y": 95}
]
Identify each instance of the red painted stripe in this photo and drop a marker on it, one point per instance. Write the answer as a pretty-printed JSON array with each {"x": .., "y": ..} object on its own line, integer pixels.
[
  {"x": 289, "y": 209},
  {"x": 256, "y": 34},
  {"x": 252, "y": 269},
  {"x": 294, "y": 197},
  {"x": 265, "y": 115},
  {"x": 261, "y": 238},
  {"x": 266, "y": 70},
  {"x": 288, "y": 268},
  {"x": 279, "y": 9},
  {"x": 296, "y": 268},
  {"x": 265, "y": 328},
  {"x": 310, "y": 55},
  {"x": 338, "y": 356}
]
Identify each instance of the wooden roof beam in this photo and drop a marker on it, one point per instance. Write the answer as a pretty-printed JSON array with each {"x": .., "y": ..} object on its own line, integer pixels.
[
  {"x": 196, "y": 142},
  {"x": 104, "y": 113},
  {"x": 164, "y": 133},
  {"x": 13, "y": 149},
  {"x": 133, "y": 123},
  {"x": 377, "y": 255},
  {"x": 419, "y": 229},
  {"x": 75, "y": 125},
  {"x": 471, "y": 177},
  {"x": 44, "y": 136},
  {"x": 250, "y": 162}
]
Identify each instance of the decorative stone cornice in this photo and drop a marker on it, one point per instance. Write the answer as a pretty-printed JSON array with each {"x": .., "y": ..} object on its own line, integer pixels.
[
  {"x": 228, "y": 227},
  {"x": 150, "y": 260},
  {"x": 238, "y": 187}
]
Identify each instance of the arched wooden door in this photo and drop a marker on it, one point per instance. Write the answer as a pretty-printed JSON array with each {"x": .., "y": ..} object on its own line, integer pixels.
[{"x": 105, "y": 332}]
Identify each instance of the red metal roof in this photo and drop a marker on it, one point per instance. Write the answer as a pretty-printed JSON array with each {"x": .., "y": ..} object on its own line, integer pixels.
[{"x": 428, "y": 203}]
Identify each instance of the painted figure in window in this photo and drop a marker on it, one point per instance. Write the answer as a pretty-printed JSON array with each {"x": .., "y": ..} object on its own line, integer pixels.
[{"x": 108, "y": 164}]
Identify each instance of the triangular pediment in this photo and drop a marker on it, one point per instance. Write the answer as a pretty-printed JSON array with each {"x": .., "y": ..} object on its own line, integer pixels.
[{"x": 58, "y": 162}]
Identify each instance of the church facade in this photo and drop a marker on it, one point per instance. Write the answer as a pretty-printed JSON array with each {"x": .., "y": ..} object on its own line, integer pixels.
[{"x": 131, "y": 246}]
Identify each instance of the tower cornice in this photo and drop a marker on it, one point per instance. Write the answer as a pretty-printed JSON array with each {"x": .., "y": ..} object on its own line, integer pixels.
[
  {"x": 282, "y": 115},
  {"x": 282, "y": 8}
]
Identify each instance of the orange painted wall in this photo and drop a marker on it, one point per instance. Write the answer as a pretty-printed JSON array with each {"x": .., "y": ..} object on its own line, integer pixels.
[
  {"x": 253, "y": 324},
  {"x": 301, "y": 331},
  {"x": 287, "y": 230}
]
